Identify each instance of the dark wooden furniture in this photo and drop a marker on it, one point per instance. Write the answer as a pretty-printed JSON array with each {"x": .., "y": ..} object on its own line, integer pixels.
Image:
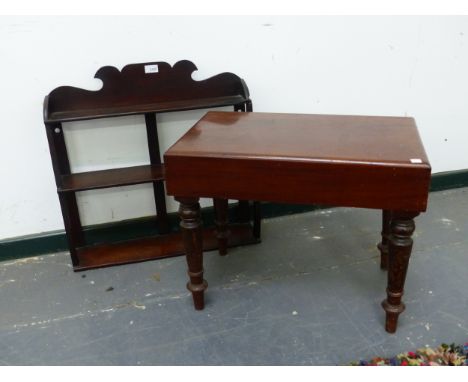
[
  {"x": 145, "y": 89},
  {"x": 354, "y": 161}
]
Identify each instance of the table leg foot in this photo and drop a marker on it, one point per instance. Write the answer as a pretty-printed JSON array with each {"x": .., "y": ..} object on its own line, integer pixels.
[
  {"x": 400, "y": 244},
  {"x": 392, "y": 312},
  {"x": 198, "y": 293},
  {"x": 189, "y": 212},
  {"x": 383, "y": 245}
]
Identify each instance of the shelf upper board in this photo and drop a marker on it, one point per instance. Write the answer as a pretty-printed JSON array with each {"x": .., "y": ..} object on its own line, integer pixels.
[
  {"x": 160, "y": 107},
  {"x": 144, "y": 88},
  {"x": 111, "y": 178}
]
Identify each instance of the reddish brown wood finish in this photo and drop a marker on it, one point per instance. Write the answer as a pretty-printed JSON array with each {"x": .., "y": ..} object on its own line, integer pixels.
[
  {"x": 133, "y": 90},
  {"x": 331, "y": 160},
  {"x": 162, "y": 107},
  {"x": 356, "y": 161},
  {"x": 68, "y": 205},
  {"x": 158, "y": 185},
  {"x": 156, "y": 247},
  {"x": 190, "y": 223},
  {"x": 399, "y": 249},
  {"x": 221, "y": 221},
  {"x": 383, "y": 245},
  {"x": 93, "y": 180}
]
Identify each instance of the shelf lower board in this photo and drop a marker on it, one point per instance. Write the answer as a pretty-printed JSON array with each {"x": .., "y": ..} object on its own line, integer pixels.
[
  {"x": 111, "y": 178},
  {"x": 151, "y": 248}
]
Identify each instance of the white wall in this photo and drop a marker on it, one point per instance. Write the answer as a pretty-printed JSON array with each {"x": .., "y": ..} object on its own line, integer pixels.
[{"x": 414, "y": 66}]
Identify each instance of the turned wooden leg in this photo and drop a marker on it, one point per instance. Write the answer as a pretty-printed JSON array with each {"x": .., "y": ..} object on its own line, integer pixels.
[
  {"x": 189, "y": 212},
  {"x": 221, "y": 221},
  {"x": 383, "y": 245},
  {"x": 400, "y": 244}
]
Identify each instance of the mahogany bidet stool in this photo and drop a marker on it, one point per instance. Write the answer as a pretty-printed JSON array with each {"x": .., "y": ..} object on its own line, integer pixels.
[{"x": 349, "y": 161}]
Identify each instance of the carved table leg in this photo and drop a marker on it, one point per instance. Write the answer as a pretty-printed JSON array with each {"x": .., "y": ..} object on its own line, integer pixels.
[
  {"x": 189, "y": 212},
  {"x": 383, "y": 245},
  {"x": 400, "y": 244},
  {"x": 221, "y": 221}
]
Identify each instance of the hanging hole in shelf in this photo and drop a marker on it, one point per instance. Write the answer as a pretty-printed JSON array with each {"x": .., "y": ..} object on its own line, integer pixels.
[{"x": 57, "y": 130}]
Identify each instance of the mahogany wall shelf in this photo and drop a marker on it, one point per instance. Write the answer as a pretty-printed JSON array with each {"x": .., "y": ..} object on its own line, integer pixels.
[{"x": 147, "y": 89}]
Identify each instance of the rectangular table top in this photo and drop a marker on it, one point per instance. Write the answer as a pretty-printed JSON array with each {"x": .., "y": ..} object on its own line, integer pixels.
[
  {"x": 361, "y": 155},
  {"x": 363, "y": 139}
]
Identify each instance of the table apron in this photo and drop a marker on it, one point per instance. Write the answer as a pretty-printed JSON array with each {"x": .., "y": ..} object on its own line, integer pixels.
[{"x": 380, "y": 186}]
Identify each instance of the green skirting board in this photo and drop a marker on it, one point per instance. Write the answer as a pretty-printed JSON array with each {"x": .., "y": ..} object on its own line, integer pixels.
[{"x": 37, "y": 244}]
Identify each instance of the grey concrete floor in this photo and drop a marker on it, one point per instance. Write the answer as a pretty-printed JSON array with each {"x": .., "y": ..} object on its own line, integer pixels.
[{"x": 309, "y": 294}]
